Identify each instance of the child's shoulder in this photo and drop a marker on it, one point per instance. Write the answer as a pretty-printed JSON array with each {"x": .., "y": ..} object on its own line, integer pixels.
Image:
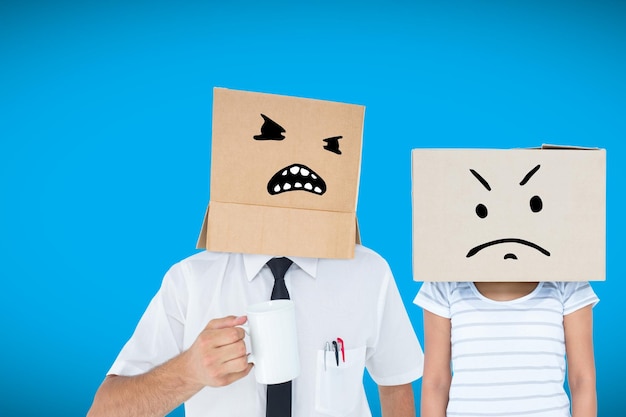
[
  {"x": 565, "y": 288},
  {"x": 445, "y": 289}
]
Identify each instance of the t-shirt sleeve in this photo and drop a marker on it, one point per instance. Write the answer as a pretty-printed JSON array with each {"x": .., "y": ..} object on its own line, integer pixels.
[
  {"x": 434, "y": 297},
  {"x": 397, "y": 357},
  {"x": 158, "y": 336},
  {"x": 577, "y": 295}
]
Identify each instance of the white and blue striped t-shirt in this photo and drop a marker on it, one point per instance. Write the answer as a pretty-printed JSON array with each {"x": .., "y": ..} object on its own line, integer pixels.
[{"x": 508, "y": 357}]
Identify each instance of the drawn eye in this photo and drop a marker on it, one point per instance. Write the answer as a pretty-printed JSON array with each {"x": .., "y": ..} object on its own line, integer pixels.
[
  {"x": 536, "y": 204},
  {"x": 332, "y": 144},
  {"x": 270, "y": 130},
  {"x": 481, "y": 211}
]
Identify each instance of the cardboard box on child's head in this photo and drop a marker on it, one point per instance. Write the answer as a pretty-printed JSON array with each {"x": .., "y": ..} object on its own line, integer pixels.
[
  {"x": 489, "y": 215},
  {"x": 284, "y": 175}
]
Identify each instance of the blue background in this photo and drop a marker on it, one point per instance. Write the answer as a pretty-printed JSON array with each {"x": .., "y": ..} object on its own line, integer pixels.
[{"x": 105, "y": 122}]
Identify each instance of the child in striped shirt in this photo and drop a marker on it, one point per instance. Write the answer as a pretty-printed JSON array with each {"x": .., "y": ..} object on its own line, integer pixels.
[{"x": 496, "y": 349}]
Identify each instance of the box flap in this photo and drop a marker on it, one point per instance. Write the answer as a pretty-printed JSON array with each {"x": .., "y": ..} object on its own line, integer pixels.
[
  {"x": 567, "y": 147},
  {"x": 280, "y": 231}
]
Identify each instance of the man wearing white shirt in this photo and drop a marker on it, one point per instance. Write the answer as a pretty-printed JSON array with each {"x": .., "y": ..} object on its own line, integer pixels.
[
  {"x": 187, "y": 347},
  {"x": 205, "y": 366}
]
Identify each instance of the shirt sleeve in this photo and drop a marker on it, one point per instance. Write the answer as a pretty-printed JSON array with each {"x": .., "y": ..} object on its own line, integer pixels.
[
  {"x": 398, "y": 357},
  {"x": 158, "y": 336},
  {"x": 434, "y": 297},
  {"x": 577, "y": 295}
]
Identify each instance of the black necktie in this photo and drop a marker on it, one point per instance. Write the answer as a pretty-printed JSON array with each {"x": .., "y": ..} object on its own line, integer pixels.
[{"x": 279, "y": 395}]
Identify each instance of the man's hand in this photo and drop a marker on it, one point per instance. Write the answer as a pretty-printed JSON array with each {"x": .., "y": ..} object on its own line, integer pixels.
[{"x": 218, "y": 356}]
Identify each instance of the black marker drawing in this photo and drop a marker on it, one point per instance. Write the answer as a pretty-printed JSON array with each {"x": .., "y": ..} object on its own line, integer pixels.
[
  {"x": 536, "y": 205},
  {"x": 529, "y": 175},
  {"x": 270, "y": 130},
  {"x": 296, "y": 177},
  {"x": 481, "y": 179},
  {"x": 481, "y": 211},
  {"x": 478, "y": 248},
  {"x": 332, "y": 144}
]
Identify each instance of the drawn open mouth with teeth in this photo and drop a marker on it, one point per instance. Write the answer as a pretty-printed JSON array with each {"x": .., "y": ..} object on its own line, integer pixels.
[{"x": 296, "y": 177}]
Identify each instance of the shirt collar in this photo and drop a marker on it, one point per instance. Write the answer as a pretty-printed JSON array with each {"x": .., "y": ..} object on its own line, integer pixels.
[{"x": 253, "y": 264}]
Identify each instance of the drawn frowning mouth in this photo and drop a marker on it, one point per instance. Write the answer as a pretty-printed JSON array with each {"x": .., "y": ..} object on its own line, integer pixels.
[
  {"x": 478, "y": 248},
  {"x": 296, "y": 177}
]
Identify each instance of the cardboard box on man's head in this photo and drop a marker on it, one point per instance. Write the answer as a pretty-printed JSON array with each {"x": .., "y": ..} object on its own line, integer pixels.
[
  {"x": 509, "y": 215},
  {"x": 284, "y": 176}
]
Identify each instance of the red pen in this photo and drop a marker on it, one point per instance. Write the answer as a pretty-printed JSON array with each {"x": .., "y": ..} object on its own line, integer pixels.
[{"x": 343, "y": 351}]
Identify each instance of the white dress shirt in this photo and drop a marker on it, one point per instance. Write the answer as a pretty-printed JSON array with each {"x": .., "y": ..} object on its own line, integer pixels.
[{"x": 353, "y": 299}]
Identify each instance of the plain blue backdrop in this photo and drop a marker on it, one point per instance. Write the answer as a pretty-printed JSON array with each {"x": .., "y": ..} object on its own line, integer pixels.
[{"x": 105, "y": 128}]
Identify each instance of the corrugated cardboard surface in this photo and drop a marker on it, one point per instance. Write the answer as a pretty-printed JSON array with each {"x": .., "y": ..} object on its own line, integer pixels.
[
  {"x": 570, "y": 227},
  {"x": 244, "y": 215},
  {"x": 280, "y": 231}
]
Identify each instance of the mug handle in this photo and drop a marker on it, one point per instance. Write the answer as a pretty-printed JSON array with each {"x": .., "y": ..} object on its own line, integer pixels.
[{"x": 246, "y": 329}]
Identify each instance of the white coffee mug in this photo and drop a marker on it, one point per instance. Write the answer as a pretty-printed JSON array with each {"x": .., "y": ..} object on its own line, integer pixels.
[{"x": 273, "y": 341}]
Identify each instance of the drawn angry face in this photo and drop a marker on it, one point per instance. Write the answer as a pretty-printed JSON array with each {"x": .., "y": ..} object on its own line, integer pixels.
[
  {"x": 536, "y": 205},
  {"x": 296, "y": 176},
  {"x": 519, "y": 215}
]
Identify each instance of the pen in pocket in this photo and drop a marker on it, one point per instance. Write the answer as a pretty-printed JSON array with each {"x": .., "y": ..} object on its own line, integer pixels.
[{"x": 336, "y": 347}]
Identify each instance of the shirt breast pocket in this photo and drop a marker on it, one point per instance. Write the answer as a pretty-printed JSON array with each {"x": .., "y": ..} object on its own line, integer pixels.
[{"x": 339, "y": 388}]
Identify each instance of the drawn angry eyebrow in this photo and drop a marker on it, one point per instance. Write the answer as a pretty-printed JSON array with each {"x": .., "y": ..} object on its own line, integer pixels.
[
  {"x": 270, "y": 130},
  {"x": 481, "y": 179},
  {"x": 530, "y": 174},
  {"x": 332, "y": 144}
]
